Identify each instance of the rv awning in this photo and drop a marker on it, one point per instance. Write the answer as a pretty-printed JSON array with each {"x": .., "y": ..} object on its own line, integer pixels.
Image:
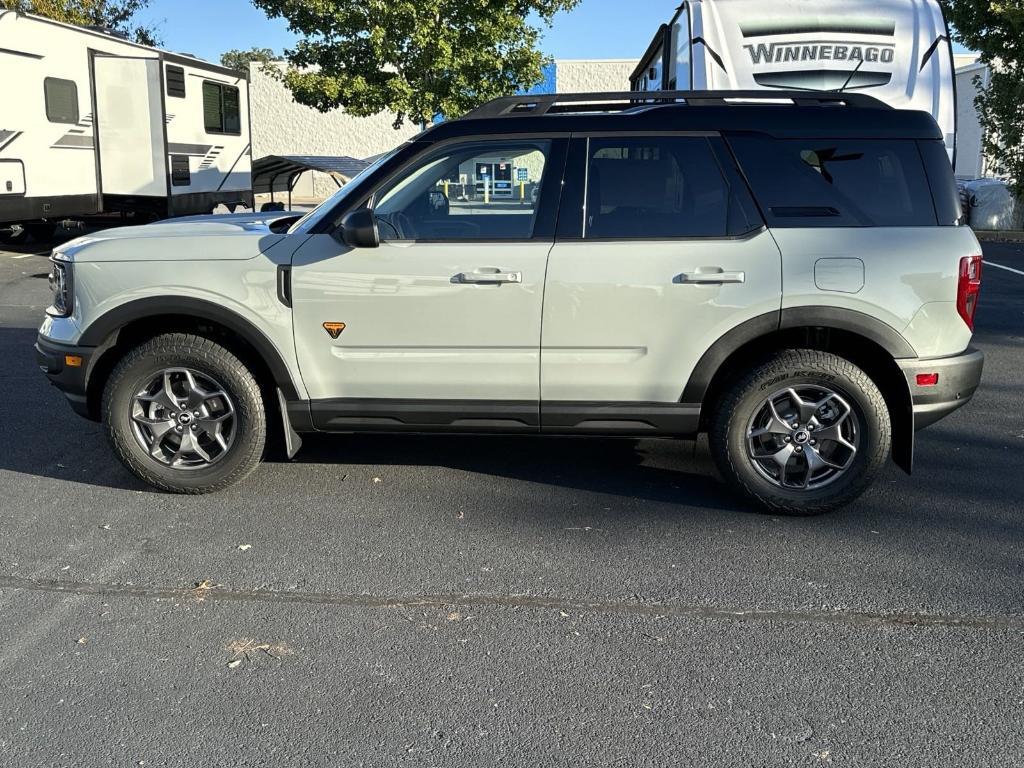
[{"x": 277, "y": 173}]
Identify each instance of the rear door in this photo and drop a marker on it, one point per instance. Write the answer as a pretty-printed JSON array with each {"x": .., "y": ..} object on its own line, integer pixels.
[
  {"x": 660, "y": 252},
  {"x": 130, "y": 126}
]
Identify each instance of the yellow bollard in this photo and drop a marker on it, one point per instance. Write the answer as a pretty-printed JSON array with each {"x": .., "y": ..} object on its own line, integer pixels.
[
  {"x": 446, "y": 188},
  {"x": 487, "y": 190},
  {"x": 522, "y": 190}
]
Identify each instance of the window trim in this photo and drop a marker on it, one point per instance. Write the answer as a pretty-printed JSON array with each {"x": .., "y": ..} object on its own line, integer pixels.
[
  {"x": 46, "y": 101},
  {"x": 547, "y": 203},
  {"x": 222, "y": 87},
  {"x": 580, "y": 152}
]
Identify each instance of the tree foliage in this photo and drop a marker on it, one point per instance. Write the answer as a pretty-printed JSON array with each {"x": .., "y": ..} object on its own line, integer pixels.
[
  {"x": 995, "y": 28},
  {"x": 116, "y": 15},
  {"x": 418, "y": 58},
  {"x": 240, "y": 60}
]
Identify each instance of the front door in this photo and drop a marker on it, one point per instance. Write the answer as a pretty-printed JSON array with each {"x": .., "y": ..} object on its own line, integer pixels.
[
  {"x": 660, "y": 252},
  {"x": 446, "y": 313}
]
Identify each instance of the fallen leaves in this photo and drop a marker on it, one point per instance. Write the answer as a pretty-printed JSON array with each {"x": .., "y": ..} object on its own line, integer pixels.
[
  {"x": 202, "y": 588},
  {"x": 246, "y": 649}
]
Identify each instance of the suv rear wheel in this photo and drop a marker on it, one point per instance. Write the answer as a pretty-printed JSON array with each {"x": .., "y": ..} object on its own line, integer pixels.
[
  {"x": 184, "y": 414},
  {"x": 802, "y": 434}
]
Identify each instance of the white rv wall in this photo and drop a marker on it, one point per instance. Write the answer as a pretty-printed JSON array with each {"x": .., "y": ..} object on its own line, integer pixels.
[{"x": 970, "y": 156}]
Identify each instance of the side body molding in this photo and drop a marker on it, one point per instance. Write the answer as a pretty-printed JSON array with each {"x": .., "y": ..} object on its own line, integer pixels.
[{"x": 113, "y": 321}]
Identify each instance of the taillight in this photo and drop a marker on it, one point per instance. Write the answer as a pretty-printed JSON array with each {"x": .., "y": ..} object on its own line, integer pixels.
[{"x": 968, "y": 287}]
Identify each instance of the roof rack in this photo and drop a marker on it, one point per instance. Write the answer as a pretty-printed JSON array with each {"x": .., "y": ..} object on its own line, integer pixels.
[{"x": 621, "y": 101}]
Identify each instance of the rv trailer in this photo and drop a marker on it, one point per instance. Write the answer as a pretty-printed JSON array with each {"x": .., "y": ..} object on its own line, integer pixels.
[
  {"x": 94, "y": 124},
  {"x": 897, "y": 51}
]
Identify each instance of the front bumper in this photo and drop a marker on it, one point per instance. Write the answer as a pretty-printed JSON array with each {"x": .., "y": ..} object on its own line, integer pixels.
[
  {"x": 959, "y": 377},
  {"x": 56, "y": 361}
]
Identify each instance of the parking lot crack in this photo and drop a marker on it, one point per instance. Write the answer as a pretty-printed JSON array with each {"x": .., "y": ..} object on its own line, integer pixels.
[{"x": 530, "y": 602}]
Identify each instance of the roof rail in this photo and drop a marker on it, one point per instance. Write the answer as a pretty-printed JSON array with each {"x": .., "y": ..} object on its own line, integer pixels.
[{"x": 620, "y": 101}]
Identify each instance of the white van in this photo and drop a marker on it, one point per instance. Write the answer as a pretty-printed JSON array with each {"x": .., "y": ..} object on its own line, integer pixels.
[
  {"x": 92, "y": 123},
  {"x": 897, "y": 51}
]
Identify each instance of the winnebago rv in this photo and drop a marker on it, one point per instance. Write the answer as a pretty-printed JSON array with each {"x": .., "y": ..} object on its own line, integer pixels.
[
  {"x": 92, "y": 123},
  {"x": 897, "y": 51}
]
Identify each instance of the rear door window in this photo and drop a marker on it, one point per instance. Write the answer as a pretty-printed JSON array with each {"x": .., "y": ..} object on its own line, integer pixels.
[
  {"x": 659, "y": 187},
  {"x": 837, "y": 183}
]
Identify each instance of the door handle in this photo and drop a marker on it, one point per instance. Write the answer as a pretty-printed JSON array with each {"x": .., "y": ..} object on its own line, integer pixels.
[
  {"x": 711, "y": 276},
  {"x": 489, "y": 276}
]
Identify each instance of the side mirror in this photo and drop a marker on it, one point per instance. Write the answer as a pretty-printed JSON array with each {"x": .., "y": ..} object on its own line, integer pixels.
[{"x": 359, "y": 229}]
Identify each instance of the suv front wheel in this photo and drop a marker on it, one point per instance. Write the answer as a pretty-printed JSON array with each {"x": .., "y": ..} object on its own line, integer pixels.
[
  {"x": 802, "y": 434},
  {"x": 184, "y": 414}
]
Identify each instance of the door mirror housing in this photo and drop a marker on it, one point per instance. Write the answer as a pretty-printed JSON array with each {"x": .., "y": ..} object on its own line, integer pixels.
[{"x": 359, "y": 229}]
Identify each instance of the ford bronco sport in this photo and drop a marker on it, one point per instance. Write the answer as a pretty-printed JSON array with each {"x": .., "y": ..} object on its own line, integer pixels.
[{"x": 788, "y": 274}]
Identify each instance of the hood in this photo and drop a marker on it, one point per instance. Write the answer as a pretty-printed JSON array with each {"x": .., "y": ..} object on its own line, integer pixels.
[{"x": 190, "y": 238}]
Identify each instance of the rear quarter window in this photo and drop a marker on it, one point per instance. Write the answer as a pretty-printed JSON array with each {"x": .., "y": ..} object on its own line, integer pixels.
[{"x": 837, "y": 183}]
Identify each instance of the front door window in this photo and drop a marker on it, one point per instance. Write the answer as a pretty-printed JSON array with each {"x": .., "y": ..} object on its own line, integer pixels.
[{"x": 482, "y": 191}]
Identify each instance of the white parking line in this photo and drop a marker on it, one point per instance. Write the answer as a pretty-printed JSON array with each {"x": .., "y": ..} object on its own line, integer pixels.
[
  {"x": 23, "y": 256},
  {"x": 1008, "y": 269}
]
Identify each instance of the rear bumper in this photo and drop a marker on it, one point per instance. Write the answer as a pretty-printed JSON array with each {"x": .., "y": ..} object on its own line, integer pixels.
[
  {"x": 959, "y": 377},
  {"x": 72, "y": 380}
]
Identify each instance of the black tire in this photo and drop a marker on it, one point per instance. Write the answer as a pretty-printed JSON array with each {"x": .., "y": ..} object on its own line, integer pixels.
[
  {"x": 744, "y": 400},
  {"x": 206, "y": 357},
  {"x": 41, "y": 231}
]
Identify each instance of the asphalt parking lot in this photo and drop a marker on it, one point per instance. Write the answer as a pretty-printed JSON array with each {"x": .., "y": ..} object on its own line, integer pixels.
[{"x": 507, "y": 601}]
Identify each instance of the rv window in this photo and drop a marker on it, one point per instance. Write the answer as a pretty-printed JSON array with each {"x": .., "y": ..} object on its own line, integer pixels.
[
  {"x": 658, "y": 187},
  {"x": 830, "y": 183},
  {"x": 61, "y": 100},
  {"x": 221, "y": 109},
  {"x": 176, "y": 82}
]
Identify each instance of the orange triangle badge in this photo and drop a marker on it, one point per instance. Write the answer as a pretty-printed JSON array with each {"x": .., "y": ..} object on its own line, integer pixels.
[{"x": 334, "y": 329}]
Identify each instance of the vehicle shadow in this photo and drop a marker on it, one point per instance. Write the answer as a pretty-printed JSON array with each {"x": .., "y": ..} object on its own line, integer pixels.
[
  {"x": 665, "y": 471},
  {"x": 55, "y": 443}
]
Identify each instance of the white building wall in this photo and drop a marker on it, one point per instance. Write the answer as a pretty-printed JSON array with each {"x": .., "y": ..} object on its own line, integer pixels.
[
  {"x": 280, "y": 126},
  {"x": 586, "y": 75}
]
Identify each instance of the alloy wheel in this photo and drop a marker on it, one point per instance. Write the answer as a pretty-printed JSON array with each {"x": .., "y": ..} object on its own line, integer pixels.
[
  {"x": 183, "y": 419},
  {"x": 803, "y": 438}
]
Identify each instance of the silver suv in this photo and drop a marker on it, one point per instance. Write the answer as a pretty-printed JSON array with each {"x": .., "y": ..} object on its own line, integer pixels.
[{"x": 788, "y": 274}]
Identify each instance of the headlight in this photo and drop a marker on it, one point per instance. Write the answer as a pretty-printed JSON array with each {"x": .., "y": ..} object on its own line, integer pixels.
[{"x": 62, "y": 285}]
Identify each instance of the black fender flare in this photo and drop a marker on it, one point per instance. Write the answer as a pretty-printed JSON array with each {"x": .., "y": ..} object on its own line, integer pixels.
[
  {"x": 103, "y": 328},
  {"x": 852, "y": 321}
]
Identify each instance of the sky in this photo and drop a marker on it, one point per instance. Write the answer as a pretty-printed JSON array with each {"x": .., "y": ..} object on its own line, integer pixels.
[
  {"x": 207, "y": 28},
  {"x": 597, "y": 29}
]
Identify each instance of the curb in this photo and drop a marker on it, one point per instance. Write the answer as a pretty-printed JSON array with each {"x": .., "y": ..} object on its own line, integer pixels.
[{"x": 992, "y": 236}]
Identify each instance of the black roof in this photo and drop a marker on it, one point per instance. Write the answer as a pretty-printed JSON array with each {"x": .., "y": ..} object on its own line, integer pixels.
[{"x": 784, "y": 114}]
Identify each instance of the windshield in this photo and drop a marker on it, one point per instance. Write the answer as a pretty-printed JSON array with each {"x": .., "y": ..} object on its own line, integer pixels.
[{"x": 307, "y": 222}]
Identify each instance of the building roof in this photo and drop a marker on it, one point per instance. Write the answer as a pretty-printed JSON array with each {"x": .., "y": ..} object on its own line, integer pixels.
[{"x": 277, "y": 173}]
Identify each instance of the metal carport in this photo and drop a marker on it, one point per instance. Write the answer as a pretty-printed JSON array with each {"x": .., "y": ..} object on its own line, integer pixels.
[{"x": 278, "y": 173}]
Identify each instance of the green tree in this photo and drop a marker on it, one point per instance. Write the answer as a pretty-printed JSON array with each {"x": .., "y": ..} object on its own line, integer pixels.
[
  {"x": 418, "y": 58},
  {"x": 116, "y": 15},
  {"x": 995, "y": 28},
  {"x": 240, "y": 60}
]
